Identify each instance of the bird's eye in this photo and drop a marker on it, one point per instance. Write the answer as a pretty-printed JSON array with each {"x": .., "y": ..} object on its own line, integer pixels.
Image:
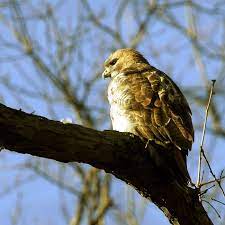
[{"x": 113, "y": 62}]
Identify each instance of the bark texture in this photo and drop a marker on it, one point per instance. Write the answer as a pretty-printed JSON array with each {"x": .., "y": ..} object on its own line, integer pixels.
[{"x": 148, "y": 170}]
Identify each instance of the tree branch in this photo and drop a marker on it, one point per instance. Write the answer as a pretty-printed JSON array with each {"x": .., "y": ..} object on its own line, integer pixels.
[{"x": 121, "y": 154}]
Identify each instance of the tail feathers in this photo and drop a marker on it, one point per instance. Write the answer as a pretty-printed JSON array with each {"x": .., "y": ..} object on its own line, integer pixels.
[
  {"x": 180, "y": 162},
  {"x": 172, "y": 161}
]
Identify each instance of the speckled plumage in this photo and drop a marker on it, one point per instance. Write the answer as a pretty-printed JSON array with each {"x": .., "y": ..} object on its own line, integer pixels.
[{"x": 146, "y": 102}]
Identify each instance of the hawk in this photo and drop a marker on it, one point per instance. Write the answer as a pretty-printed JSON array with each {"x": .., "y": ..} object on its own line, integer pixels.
[{"x": 146, "y": 102}]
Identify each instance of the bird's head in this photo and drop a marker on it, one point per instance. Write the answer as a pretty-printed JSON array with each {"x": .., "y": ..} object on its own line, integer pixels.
[{"x": 125, "y": 61}]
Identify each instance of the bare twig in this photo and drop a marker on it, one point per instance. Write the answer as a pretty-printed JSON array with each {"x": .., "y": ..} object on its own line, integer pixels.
[
  {"x": 211, "y": 181},
  {"x": 210, "y": 169},
  {"x": 206, "y": 190},
  {"x": 201, "y": 151},
  {"x": 107, "y": 29},
  {"x": 216, "y": 211},
  {"x": 222, "y": 203}
]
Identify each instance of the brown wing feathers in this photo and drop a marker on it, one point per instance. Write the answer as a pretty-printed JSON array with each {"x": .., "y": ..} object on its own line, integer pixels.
[
  {"x": 165, "y": 110},
  {"x": 165, "y": 116}
]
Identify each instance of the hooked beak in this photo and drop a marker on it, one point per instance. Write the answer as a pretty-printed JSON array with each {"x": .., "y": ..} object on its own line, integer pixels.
[{"x": 106, "y": 73}]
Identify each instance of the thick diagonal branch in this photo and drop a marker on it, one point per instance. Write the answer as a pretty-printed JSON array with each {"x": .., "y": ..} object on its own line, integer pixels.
[{"x": 125, "y": 156}]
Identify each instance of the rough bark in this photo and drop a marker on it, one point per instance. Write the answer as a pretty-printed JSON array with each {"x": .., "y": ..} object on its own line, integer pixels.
[{"x": 120, "y": 154}]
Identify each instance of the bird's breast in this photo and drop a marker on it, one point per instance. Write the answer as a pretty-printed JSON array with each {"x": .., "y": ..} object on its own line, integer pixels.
[
  {"x": 121, "y": 120},
  {"x": 122, "y": 104},
  {"x": 119, "y": 93}
]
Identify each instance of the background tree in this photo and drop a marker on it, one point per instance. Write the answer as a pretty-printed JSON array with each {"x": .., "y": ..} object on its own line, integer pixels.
[{"x": 51, "y": 61}]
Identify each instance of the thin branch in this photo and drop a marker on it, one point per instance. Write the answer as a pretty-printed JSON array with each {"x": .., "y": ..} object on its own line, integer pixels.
[
  {"x": 215, "y": 210},
  {"x": 136, "y": 39},
  {"x": 222, "y": 203},
  {"x": 206, "y": 190},
  {"x": 211, "y": 181},
  {"x": 196, "y": 52},
  {"x": 94, "y": 19},
  {"x": 201, "y": 151},
  {"x": 52, "y": 179},
  {"x": 210, "y": 169}
]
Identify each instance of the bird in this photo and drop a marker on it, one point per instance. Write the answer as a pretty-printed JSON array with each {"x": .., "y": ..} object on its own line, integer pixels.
[{"x": 146, "y": 102}]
